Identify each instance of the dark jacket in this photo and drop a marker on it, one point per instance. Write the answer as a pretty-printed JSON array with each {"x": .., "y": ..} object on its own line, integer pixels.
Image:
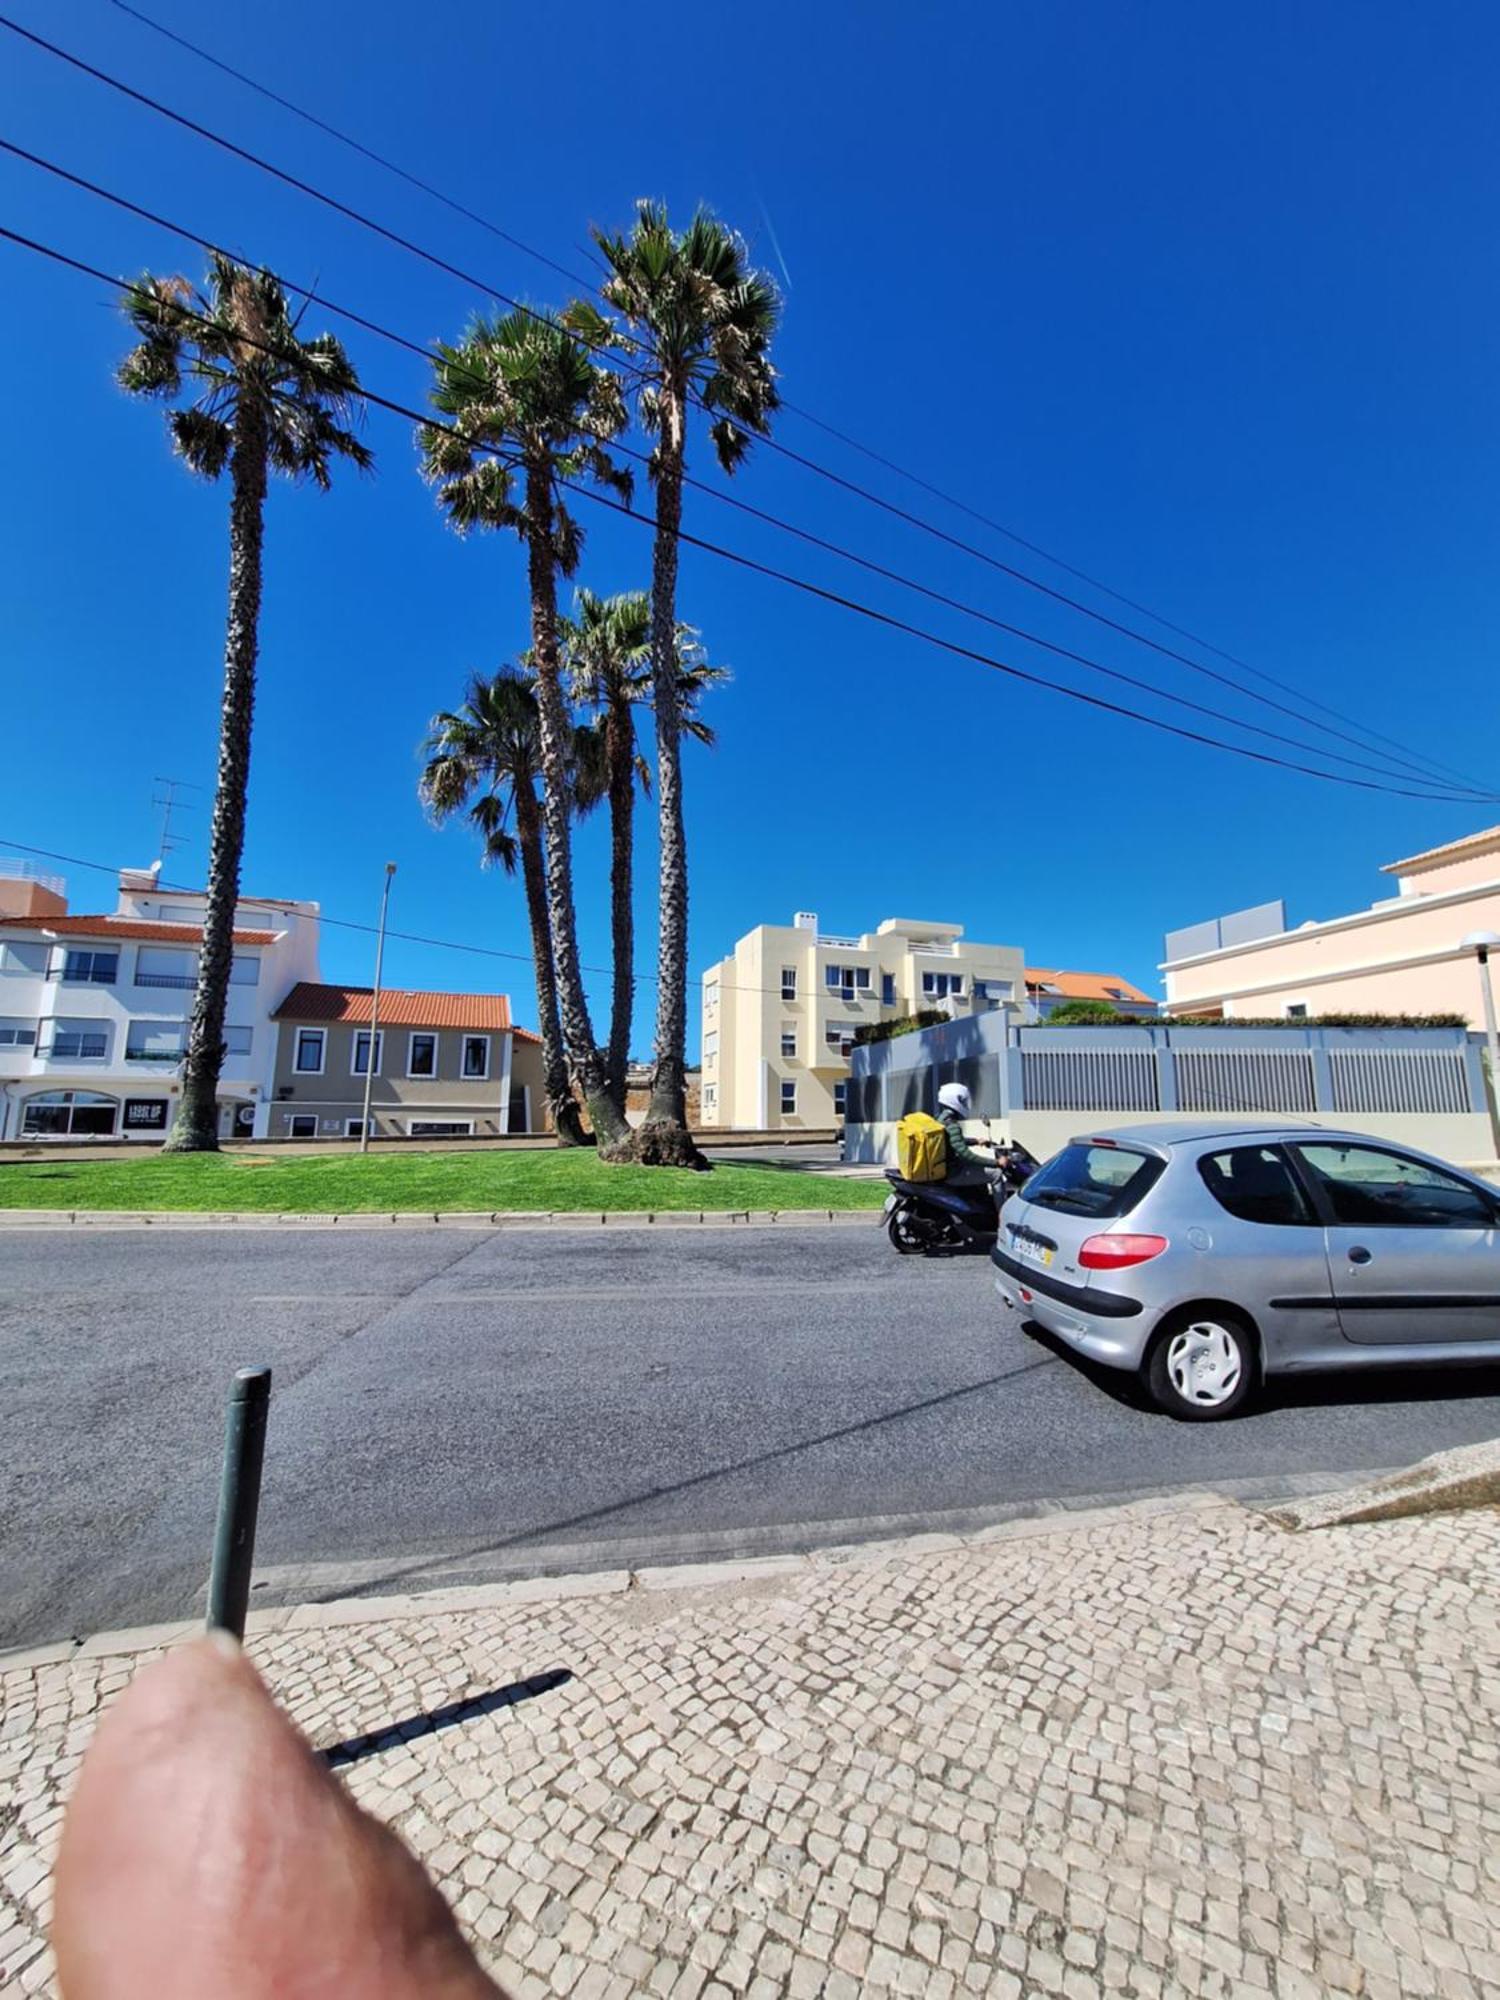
[{"x": 965, "y": 1164}]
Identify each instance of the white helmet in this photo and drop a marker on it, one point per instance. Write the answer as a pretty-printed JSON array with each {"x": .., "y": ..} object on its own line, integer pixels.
[{"x": 954, "y": 1097}]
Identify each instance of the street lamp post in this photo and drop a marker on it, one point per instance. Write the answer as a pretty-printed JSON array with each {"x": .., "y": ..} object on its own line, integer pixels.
[
  {"x": 364, "y": 1123},
  {"x": 1481, "y": 943}
]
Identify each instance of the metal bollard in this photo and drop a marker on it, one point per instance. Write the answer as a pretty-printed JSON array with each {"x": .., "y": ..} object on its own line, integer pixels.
[{"x": 239, "y": 1501}]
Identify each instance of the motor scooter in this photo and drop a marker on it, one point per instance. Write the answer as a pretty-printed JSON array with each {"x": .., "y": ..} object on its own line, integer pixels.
[{"x": 923, "y": 1216}]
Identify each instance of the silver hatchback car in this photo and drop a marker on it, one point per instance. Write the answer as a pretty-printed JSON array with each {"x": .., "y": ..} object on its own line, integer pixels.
[{"x": 1206, "y": 1258}]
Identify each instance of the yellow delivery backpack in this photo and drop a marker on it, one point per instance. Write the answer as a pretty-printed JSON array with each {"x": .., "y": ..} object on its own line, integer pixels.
[{"x": 921, "y": 1148}]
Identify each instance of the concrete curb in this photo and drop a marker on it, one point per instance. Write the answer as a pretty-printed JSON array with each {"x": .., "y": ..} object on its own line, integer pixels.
[
  {"x": 500, "y": 1218},
  {"x": 1446, "y": 1483},
  {"x": 747, "y": 1571}
]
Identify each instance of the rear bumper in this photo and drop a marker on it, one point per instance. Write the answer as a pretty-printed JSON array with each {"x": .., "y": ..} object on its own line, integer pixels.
[{"x": 1104, "y": 1326}]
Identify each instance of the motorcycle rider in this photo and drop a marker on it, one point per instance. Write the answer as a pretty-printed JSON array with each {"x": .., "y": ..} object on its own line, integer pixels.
[{"x": 970, "y": 1168}]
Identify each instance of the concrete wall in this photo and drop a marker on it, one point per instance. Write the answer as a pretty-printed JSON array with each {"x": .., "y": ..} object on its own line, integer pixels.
[{"x": 1042, "y": 1087}]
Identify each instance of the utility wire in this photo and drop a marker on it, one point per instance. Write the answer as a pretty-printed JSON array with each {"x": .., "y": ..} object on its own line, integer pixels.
[
  {"x": 808, "y": 416},
  {"x": 732, "y": 500},
  {"x": 354, "y": 145},
  {"x": 1418, "y": 768},
  {"x": 818, "y": 591}
]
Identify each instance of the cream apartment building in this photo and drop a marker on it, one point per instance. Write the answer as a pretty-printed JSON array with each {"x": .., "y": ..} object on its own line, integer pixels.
[
  {"x": 781, "y": 1011},
  {"x": 1402, "y": 955}
]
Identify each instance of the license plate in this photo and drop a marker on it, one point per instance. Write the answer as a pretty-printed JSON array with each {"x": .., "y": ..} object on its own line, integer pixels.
[{"x": 1031, "y": 1252}]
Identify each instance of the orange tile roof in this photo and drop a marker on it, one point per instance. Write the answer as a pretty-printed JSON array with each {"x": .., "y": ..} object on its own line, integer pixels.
[
  {"x": 309, "y": 1002},
  {"x": 127, "y": 927},
  {"x": 1433, "y": 857},
  {"x": 1086, "y": 985}
]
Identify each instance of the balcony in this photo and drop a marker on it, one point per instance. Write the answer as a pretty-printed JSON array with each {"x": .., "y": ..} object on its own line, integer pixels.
[
  {"x": 155, "y": 1055},
  {"x": 182, "y": 982}
]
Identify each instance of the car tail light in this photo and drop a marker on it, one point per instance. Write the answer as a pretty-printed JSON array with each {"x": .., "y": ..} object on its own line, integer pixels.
[{"x": 1118, "y": 1253}]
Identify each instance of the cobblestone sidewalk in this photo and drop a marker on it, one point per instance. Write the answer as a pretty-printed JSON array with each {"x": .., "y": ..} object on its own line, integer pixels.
[{"x": 1171, "y": 1753}]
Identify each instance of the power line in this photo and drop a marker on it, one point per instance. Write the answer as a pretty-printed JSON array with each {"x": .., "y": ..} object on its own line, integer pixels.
[
  {"x": 355, "y": 145},
  {"x": 855, "y": 605},
  {"x": 807, "y": 416},
  {"x": 742, "y": 506}
]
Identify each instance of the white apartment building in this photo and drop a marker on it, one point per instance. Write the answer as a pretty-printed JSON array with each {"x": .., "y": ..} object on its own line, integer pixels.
[
  {"x": 94, "y": 1007},
  {"x": 780, "y": 1012}
]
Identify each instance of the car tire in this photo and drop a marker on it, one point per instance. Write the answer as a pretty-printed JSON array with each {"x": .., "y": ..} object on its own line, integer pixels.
[{"x": 1203, "y": 1365}]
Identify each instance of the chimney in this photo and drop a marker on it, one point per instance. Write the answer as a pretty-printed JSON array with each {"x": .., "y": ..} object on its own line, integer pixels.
[
  {"x": 28, "y": 891},
  {"x": 806, "y": 920}
]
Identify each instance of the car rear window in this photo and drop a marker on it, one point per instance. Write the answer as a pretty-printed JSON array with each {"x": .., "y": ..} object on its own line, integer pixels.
[{"x": 1094, "y": 1180}]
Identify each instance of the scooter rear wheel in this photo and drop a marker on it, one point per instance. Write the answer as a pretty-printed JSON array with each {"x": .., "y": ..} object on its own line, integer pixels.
[{"x": 906, "y": 1233}]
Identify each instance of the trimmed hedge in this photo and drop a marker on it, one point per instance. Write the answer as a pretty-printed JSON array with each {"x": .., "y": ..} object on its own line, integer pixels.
[{"x": 907, "y": 1024}]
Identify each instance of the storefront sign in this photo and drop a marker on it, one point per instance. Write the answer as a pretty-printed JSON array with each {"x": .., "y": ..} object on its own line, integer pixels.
[{"x": 145, "y": 1114}]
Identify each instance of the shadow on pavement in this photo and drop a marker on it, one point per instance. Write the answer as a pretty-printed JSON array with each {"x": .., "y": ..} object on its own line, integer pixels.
[
  {"x": 1335, "y": 1387},
  {"x": 372, "y": 1585},
  {"x": 394, "y": 1734}
]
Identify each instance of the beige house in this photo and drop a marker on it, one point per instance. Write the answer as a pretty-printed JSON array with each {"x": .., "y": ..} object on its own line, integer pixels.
[
  {"x": 1402, "y": 955},
  {"x": 446, "y": 1066},
  {"x": 780, "y": 1012}
]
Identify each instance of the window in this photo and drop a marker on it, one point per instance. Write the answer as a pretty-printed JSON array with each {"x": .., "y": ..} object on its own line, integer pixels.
[
  {"x": 440, "y": 1128},
  {"x": 421, "y": 1055},
  {"x": 155, "y": 1041},
  {"x": 839, "y": 1035},
  {"x": 788, "y": 1100},
  {"x": 237, "y": 1041},
  {"x": 711, "y": 1047},
  {"x": 17, "y": 1035},
  {"x": 789, "y": 982},
  {"x": 847, "y": 979},
  {"x": 24, "y": 960},
  {"x": 157, "y": 967},
  {"x": 308, "y": 1059},
  {"x": 1256, "y": 1184},
  {"x": 1102, "y": 1181},
  {"x": 887, "y": 989},
  {"x": 711, "y": 993},
  {"x": 354, "y": 1128},
  {"x": 302, "y": 1125},
  {"x": 68, "y": 1114},
  {"x": 78, "y": 1041},
  {"x": 244, "y": 971},
  {"x": 90, "y": 968},
  {"x": 994, "y": 989},
  {"x": 476, "y": 1057},
  {"x": 939, "y": 985},
  {"x": 1370, "y": 1189},
  {"x": 840, "y": 1094},
  {"x": 1296, "y": 1010},
  {"x": 789, "y": 1044},
  {"x": 359, "y": 1060},
  {"x": 710, "y": 1097}
]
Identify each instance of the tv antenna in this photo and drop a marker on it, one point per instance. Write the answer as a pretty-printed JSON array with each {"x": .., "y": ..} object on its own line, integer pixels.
[{"x": 166, "y": 797}]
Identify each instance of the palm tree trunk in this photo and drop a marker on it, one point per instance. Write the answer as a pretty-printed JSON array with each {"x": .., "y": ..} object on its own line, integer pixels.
[
  {"x": 607, "y": 1117},
  {"x": 560, "y": 1099},
  {"x": 620, "y": 750},
  {"x": 664, "y": 1139},
  {"x": 196, "y": 1126}
]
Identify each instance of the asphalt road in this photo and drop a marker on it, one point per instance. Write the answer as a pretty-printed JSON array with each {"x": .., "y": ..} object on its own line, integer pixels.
[{"x": 460, "y": 1406}]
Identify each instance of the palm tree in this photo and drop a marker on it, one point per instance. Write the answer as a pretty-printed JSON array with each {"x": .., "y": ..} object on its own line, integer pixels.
[
  {"x": 607, "y": 651},
  {"x": 522, "y": 401},
  {"x": 262, "y": 400},
  {"x": 702, "y": 319},
  {"x": 485, "y": 756}
]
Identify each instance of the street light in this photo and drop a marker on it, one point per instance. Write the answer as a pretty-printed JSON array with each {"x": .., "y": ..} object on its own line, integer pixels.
[
  {"x": 1481, "y": 943},
  {"x": 385, "y": 897}
]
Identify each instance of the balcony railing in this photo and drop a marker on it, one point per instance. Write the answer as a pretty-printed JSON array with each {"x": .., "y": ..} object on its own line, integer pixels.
[
  {"x": 182, "y": 981},
  {"x": 155, "y": 1055}
]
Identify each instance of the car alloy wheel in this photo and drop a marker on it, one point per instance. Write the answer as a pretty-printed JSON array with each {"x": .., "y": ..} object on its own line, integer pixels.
[{"x": 1203, "y": 1367}]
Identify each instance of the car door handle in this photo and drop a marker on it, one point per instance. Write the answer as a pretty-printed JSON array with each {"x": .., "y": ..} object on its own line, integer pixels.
[{"x": 1358, "y": 1254}]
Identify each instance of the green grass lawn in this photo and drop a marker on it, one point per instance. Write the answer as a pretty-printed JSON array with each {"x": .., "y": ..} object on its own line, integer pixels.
[{"x": 346, "y": 1183}]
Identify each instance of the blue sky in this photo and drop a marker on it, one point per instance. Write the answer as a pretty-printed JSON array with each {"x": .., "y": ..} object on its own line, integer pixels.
[{"x": 1203, "y": 300}]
